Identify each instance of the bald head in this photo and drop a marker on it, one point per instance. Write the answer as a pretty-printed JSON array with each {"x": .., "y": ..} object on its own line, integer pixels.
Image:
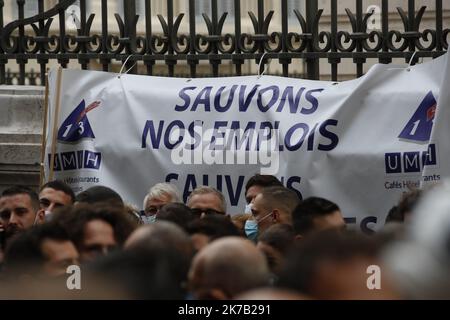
[
  {"x": 227, "y": 267},
  {"x": 160, "y": 233}
]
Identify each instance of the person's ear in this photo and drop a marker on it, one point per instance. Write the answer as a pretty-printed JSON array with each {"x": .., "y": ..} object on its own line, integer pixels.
[
  {"x": 276, "y": 215},
  {"x": 40, "y": 216}
]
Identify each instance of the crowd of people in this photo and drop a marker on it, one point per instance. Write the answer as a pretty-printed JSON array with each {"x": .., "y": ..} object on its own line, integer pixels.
[{"x": 281, "y": 247}]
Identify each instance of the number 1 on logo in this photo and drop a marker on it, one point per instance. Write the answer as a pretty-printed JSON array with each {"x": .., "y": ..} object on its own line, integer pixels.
[
  {"x": 415, "y": 127},
  {"x": 67, "y": 130}
]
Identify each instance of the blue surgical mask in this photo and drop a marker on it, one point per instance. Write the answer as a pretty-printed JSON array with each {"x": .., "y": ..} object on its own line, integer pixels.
[
  {"x": 251, "y": 230},
  {"x": 248, "y": 208},
  {"x": 148, "y": 219},
  {"x": 251, "y": 227}
]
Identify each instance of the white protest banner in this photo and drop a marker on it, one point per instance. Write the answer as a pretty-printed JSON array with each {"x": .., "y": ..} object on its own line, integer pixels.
[{"x": 359, "y": 143}]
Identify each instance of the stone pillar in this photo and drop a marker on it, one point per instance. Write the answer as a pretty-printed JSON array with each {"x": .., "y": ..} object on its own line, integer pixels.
[{"x": 21, "y": 123}]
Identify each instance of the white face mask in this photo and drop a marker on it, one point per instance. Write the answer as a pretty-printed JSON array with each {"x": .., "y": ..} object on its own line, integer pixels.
[{"x": 248, "y": 208}]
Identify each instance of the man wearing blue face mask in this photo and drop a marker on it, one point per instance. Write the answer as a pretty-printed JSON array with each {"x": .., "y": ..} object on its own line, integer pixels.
[
  {"x": 251, "y": 226},
  {"x": 273, "y": 205}
]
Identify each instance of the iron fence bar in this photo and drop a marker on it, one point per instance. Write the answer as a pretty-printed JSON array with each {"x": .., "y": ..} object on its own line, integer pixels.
[
  {"x": 129, "y": 7},
  {"x": 334, "y": 59},
  {"x": 21, "y": 60},
  {"x": 284, "y": 33},
  {"x": 359, "y": 25},
  {"x": 237, "y": 59},
  {"x": 192, "y": 59},
  {"x": 83, "y": 61},
  {"x": 385, "y": 31},
  {"x": 62, "y": 60},
  {"x": 215, "y": 60},
  {"x": 105, "y": 62},
  {"x": 439, "y": 25},
  {"x": 411, "y": 19},
  {"x": 149, "y": 63},
  {"x": 260, "y": 24},
  {"x": 258, "y": 39},
  {"x": 42, "y": 61},
  {"x": 251, "y": 56},
  {"x": 171, "y": 60},
  {"x": 312, "y": 64}
]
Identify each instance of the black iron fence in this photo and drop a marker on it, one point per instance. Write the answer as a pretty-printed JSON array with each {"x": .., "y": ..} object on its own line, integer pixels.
[{"x": 309, "y": 42}]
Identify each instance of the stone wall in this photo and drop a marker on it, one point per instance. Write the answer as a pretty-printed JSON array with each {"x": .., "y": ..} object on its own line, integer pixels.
[{"x": 21, "y": 122}]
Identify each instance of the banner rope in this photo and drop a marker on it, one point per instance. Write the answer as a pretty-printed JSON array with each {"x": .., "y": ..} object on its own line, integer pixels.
[
  {"x": 411, "y": 60},
  {"x": 124, "y": 64},
  {"x": 260, "y": 74}
]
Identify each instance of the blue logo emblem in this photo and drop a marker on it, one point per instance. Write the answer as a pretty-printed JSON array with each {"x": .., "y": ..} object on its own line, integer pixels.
[
  {"x": 419, "y": 127},
  {"x": 77, "y": 126}
]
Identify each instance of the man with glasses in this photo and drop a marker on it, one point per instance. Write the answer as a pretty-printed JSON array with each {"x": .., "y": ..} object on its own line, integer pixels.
[{"x": 205, "y": 201}]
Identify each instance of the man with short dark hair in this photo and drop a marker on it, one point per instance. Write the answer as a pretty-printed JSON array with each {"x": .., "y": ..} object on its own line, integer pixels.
[
  {"x": 45, "y": 249},
  {"x": 257, "y": 183},
  {"x": 178, "y": 213},
  {"x": 210, "y": 228},
  {"x": 55, "y": 194},
  {"x": 95, "y": 230},
  {"x": 100, "y": 194},
  {"x": 316, "y": 214},
  {"x": 19, "y": 210},
  {"x": 275, "y": 243},
  {"x": 272, "y": 206}
]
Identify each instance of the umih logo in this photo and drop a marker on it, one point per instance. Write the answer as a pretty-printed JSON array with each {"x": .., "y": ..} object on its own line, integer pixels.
[
  {"x": 410, "y": 162},
  {"x": 77, "y": 126},
  {"x": 418, "y": 129}
]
